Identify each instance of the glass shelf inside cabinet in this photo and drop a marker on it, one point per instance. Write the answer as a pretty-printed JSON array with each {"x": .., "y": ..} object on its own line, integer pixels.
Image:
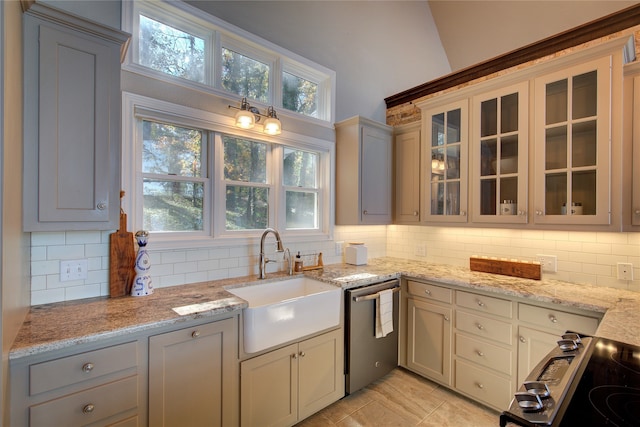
[{"x": 499, "y": 156}]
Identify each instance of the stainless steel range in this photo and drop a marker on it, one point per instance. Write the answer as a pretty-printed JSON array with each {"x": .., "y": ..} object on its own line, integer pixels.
[{"x": 586, "y": 381}]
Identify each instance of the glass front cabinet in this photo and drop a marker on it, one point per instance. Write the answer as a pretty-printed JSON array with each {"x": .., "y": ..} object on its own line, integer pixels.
[
  {"x": 445, "y": 162},
  {"x": 499, "y": 145},
  {"x": 572, "y": 152}
]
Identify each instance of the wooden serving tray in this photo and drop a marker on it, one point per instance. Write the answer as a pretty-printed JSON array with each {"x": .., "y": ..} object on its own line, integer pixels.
[{"x": 526, "y": 270}]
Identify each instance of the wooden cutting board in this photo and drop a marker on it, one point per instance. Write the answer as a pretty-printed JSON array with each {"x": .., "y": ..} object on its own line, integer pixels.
[
  {"x": 513, "y": 268},
  {"x": 122, "y": 258}
]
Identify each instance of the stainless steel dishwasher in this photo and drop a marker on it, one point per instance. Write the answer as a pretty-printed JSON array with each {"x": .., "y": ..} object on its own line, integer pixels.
[{"x": 367, "y": 357}]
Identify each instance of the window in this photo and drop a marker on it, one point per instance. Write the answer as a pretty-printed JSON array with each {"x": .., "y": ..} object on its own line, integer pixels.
[
  {"x": 178, "y": 43},
  {"x": 192, "y": 181},
  {"x": 173, "y": 177},
  {"x": 246, "y": 186}
]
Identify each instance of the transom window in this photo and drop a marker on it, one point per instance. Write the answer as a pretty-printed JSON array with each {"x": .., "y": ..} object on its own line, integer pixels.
[{"x": 179, "y": 43}]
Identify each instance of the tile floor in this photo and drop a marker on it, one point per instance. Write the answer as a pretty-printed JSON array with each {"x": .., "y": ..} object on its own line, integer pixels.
[{"x": 401, "y": 399}]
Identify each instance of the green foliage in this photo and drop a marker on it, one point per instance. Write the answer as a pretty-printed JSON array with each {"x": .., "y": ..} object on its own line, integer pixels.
[
  {"x": 299, "y": 95},
  {"x": 245, "y": 76}
]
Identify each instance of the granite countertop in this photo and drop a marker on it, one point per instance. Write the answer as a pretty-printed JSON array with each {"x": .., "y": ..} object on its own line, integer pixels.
[{"x": 59, "y": 325}]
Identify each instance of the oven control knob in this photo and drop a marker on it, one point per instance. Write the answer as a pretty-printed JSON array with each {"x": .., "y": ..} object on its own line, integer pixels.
[
  {"x": 529, "y": 402},
  {"x": 377, "y": 364},
  {"x": 567, "y": 345}
]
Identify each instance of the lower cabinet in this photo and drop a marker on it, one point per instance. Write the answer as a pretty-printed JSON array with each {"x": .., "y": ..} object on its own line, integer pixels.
[
  {"x": 193, "y": 376},
  {"x": 284, "y": 386},
  {"x": 429, "y": 340}
]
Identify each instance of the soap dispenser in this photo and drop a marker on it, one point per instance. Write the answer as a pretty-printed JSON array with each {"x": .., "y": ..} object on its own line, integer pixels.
[{"x": 298, "y": 263}]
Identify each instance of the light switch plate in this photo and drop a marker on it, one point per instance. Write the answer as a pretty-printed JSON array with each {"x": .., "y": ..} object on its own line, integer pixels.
[
  {"x": 73, "y": 269},
  {"x": 549, "y": 263}
]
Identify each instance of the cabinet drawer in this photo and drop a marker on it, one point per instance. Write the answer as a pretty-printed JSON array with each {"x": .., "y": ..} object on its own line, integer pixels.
[
  {"x": 433, "y": 292},
  {"x": 485, "y": 304},
  {"x": 559, "y": 321},
  {"x": 88, "y": 406},
  {"x": 62, "y": 372},
  {"x": 485, "y": 354},
  {"x": 484, "y": 327},
  {"x": 483, "y": 385}
]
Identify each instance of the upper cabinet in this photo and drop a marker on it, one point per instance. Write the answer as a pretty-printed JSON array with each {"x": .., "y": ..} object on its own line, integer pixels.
[
  {"x": 406, "y": 155},
  {"x": 363, "y": 172},
  {"x": 499, "y": 152},
  {"x": 445, "y": 162},
  {"x": 71, "y": 122},
  {"x": 572, "y": 160},
  {"x": 548, "y": 146}
]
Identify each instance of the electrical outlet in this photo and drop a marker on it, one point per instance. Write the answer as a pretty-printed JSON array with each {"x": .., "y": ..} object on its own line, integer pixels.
[
  {"x": 73, "y": 269},
  {"x": 549, "y": 263},
  {"x": 421, "y": 249},
  {"x": 338, "y": 248},
  {"x": 625, "y": 271}
]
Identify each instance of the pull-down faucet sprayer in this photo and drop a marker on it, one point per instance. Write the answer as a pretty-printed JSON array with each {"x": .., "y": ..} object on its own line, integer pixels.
[{"x": 263, "y": 259}]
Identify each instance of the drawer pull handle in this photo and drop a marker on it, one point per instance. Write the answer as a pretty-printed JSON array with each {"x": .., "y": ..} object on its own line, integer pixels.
[
  {"x": 480, "y": 303},
  {"x": 87, "y": 367},
  {"x": 88, "y": 408},
  {"x": 427, "y": 291},
  {"x": 195, "y": 334},
  {"x": 522, "y": 339},
  {"x": 479, "y": 326},
  {"x": 480, "y": 385},
  {"x": 479, "y": 353},
  {"x": 553, "y": 318}
]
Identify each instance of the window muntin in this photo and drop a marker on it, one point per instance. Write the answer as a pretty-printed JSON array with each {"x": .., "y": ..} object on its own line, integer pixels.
[
  {"x": 173, "y": 177},
  {"x": 299, "y": 95},
  {"x": 300, "y": 183},
  {"x": 171, "y": 50}
]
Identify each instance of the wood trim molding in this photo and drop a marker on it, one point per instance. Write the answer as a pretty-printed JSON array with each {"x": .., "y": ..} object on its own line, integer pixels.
[{"x": 618, "y": 21}]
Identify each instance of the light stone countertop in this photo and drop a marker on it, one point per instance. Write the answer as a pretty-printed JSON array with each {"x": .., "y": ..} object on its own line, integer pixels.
[{"x": 60, "y": 325}]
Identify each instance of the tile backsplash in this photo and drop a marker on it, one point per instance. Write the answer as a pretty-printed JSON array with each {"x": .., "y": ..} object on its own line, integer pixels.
[{"x": 583, "y": 257}]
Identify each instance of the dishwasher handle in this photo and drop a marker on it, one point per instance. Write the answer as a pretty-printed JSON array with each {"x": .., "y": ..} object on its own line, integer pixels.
[{"x": 369, "y": 297}]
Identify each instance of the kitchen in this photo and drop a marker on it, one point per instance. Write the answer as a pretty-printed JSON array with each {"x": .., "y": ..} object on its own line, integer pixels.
[{"x": 583, "y": 257}]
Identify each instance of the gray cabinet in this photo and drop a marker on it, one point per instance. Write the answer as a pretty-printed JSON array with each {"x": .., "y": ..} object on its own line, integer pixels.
[
  {"x": 72, "y": 122},
  {"x": 363, "y": 172},
  {"x": 286, "y": 385},
  {"x": 193, "y": 376}
]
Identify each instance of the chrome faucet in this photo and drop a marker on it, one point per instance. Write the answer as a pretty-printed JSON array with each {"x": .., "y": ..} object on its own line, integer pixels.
[{"x": 263, "y": 259}]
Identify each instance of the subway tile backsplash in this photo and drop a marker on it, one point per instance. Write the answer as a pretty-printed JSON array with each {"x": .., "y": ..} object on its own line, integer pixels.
[{"x": 582, "y": 257}]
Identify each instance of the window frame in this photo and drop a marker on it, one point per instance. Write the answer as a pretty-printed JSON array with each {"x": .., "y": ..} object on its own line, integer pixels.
[
  {"x": 136, "y": 108},
  {"x": 221, "y": 32}
]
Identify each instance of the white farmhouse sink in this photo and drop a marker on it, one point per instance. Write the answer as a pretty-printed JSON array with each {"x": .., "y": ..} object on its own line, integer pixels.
[{"x": 286, "y": 310}]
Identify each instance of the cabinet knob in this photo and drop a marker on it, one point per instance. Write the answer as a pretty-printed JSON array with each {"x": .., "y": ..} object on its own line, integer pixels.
[
  {"x": 480, "y": 303},
  {"x": 539, "y": 213},
  {"x": 479, "y": 353},
  {"x": 88, "y": 408},
  {"x": 195, "y": 334},
  {"x": 415, "y": 213},
  {"x": 302, "y": 354},
  {"x": 522, "y": 213},
  {"x": 294, "y": 356},
  {"x": 101, "y": 206},
  {"x": 446, "y": 318},
  {"x": 87, "y": 367},
  {"x": 522, "y": 339},
  {"x": 637, "y": 212},
  {"x": 427, "y": 291},
  {"x": 479, "y": 326},
  {"x": 480, "y": 385},
  {"x": 365, "y": 212},
  {"x": 553, "y": 318},
  {"x": 463, "y": 213}
]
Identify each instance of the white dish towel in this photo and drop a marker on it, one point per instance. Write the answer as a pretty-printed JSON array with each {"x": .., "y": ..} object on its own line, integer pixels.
[{"x": 384, "y": 313}]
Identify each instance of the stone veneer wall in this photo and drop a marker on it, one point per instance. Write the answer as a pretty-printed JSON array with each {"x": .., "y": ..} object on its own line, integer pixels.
[{"x": 409, "y": 113}]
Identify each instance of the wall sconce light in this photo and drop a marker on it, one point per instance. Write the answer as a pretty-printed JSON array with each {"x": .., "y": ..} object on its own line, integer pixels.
[{"x": 247, "y": 116}]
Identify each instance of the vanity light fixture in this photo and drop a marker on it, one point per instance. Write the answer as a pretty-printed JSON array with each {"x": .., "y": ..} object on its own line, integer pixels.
[{"x": 247, "y": 116}]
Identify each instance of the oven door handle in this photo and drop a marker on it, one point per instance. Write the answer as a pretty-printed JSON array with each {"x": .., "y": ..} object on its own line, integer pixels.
[{"x": 373, "y": 296}]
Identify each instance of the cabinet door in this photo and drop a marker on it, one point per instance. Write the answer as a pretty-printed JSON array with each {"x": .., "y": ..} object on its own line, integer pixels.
[
  {"x": 635, "y": 181},
  {"x": 499, "y": 154},
  {"x": 429, "y": 340},
  {"x": 375, "y": 181},
  {"x": 445, "y": 163},
  {"x": 72, "y": 128},
  {"x": 407, "y": 174},
  {"x": 573, "y": 141},
  {"x": 533, "y": 346},
  {"x": 193, "y": 376},
  {"x": 320, "y": 372},
  {"x": 269, "y": 388}
]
